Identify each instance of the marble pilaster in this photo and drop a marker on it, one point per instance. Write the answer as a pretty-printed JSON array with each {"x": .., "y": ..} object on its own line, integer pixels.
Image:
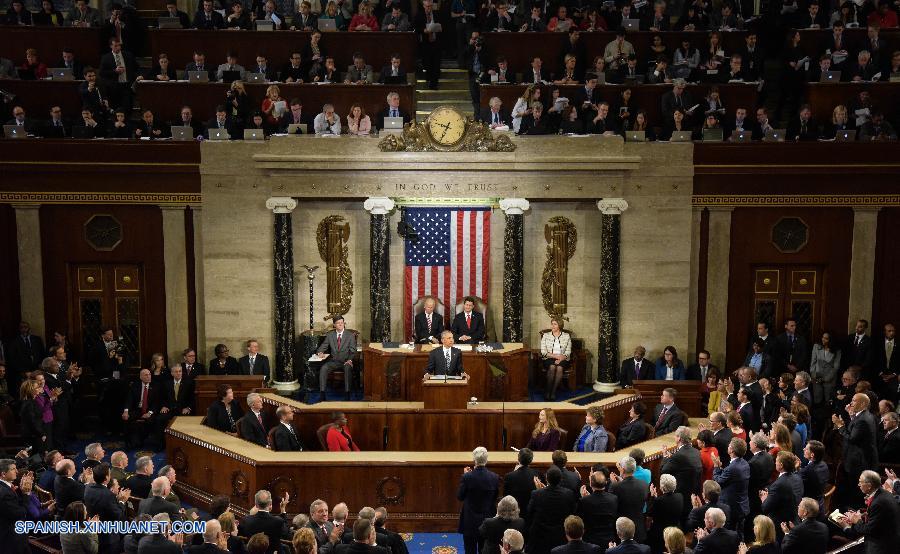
[
  {"x": 610, "y": 272},
  {"x": 380, "y": 266},
  {"x": 513, "y": 267},
  {"x": 285, "y": 376},
  {"x": 174, "y": 255},
  {"x": 862, "y": 265},
  {"x": 31, "y": 276},
  {"x": 718, "y": 257}
]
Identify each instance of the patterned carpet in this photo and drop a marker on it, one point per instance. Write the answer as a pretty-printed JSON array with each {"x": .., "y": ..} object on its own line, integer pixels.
[{"x": 433, "y": 543}]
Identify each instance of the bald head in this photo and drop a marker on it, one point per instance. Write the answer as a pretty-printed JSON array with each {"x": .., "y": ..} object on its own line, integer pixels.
[
  {"x": 160, "y": 487},
  {"x": 65, "y": 467}
]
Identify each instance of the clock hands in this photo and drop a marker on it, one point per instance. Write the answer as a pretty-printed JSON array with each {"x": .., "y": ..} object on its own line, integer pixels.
[{"x": 446, "y": 127}]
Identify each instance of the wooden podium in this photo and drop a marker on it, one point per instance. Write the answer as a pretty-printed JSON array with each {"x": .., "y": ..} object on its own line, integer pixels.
[
  {"x": 688, "y": 397},
  {"x": 241, "y": 385},
  {"x": 450, "y": 394}
]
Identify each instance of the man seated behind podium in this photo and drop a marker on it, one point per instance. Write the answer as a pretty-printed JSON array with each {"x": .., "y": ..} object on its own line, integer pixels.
[
  {"x": 445, "y": 360},
  {"x": 284, "y": 437},
  {"x": 428, "y": 325},
  {"x": 468, "y": 325},
  {"x": 341, "y": 345}
]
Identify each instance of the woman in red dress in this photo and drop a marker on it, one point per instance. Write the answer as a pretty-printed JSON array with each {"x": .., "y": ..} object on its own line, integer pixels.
[{"x": 338, "y": 438}]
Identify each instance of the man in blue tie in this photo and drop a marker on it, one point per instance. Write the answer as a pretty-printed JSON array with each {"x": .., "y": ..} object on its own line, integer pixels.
[
  {"x": 393, "y": 109},
  {"x": 494, "y": 115},
  {"x": 445, "y": 360}
]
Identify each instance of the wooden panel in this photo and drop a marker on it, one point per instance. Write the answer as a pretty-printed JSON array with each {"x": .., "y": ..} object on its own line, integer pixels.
[
  {"x": 644, "y": 97},
  {"x": 886, "y": 301},
  {"x": 63, "y": 244},
  {"x": 814, "y": 42},
  {"x": 687, "y": 398},
  {"x": 825, "y": 249},
  {"x": 166, "y": 99},
  {"x": 241, "y": 386},
  {"x": 824, "y": 97},
  {"x": 377, "y": 48},
  {"x": 50, "y": 41},
  {"x": 445, "y": 395},
  {"x": 9, "y": 277},
  {"x": 767, "y": 281}
]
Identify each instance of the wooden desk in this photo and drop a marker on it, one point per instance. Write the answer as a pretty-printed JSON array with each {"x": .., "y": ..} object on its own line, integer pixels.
[
  {"x": 38, "y": 96},
  {"x": 377, "y": 48},
  {"x": 50, "y": 42},
  {"x": 688, "y": 398},
  {"x": 824, "y": 97},
  {"x": 396, "y": 373},
  {"x": 419, "y": 488},
  {"x": 445, "y": 395},
  {"x": 401, "y": 426},
  {"x": 645, "y": 97},
  {"x": 241, "y": 385},
  {"x": 166, "y": 99},
  {"x": 813, "y": 42}
]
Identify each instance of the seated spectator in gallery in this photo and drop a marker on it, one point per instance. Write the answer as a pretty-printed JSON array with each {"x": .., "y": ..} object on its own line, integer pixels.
[
  {"x": 82, "y": 15},
  {"x": 603, "y": 123},
  {"x": 877, "y": 128},
  {"x": 294, "y": 70},
  {"x": 208, "y": 18},
  {"x": 364, "y": 20},
  {"x": 327, "y": 122},
  {"x": 148, "y": 128},
  {"x": 17, "y": 14},
  {"x": 49, "y": 16},
  {"x": 503, "y": 74},
  {"x": 197, "y": 128},
  {"x": 593, "y": 437},
  {"x": 238, "y": 18},
  {"x": 803, "y": 127},
  {"x": 393, "y": 109},
  {"x": 173, "y": 11},
  {"x": 862, "y": 70},
  {"x": 296, "y": 116},
  {"x": 393, "y": 72},
  {"x": 338, "y": 438},
  {"x": 268, "y": 12},
  {"x": 884, "y": 16},
  {"x": 32, "y": 69},
  {"x": 535, "y": 123},
  {"x": 304, "y": 19},
  {"x": 692, "y": 20},
  {"x": 659, "y": 72},
  {"x": 269, "y": 72},
  {"x": 93, "y": 129},
  {"x": 326, "y": 73},
  {"x": 223, "y": 120},
  {"x": 494, "y": 115},
  {"x": 735, "y": 72},
  {"x": 332, "y": 12},
  {"x": 162, "y": 70},
  {"x": 816, "y": 70},
  {"x": 56, "y": 127},
  {"x": 360, "y": 73},
  {"x": 570, "y": 123},
  {"x": 535, "y": 22},
  {"x": 592, "y": 21},
  {"x": 668, "y": 366},
  {"x": 358, "y": 123},
  {"x": 231, "y": 64},
  {"x": 223, "y": 364},
  {"x": 545, "y": 436},
  {"x": 224, "y": 412},
  {"x": 257, "y": 121},
  {"x": 395, "y": 21}
]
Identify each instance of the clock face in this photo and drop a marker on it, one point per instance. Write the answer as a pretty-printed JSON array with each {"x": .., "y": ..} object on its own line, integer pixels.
[{"x": 446, "y": 126}]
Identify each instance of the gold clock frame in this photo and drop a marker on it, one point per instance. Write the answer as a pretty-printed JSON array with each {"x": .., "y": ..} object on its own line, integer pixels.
[
  {"x": 476, "y": 137},
  {"x": 435, "y": 143}
]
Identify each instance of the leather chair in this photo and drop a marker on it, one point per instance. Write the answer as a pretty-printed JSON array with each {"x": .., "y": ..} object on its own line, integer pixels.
[
  {"x": 570, "y": 373},
  {"x": 611, "y": 441},
  {"x": 337, "y": 376},
  {"x": 419, "y": 307},
  {"x": 322, "y": 434},
  {"x": 481, "y": 307},
  {"x": 651, "y": 431}
]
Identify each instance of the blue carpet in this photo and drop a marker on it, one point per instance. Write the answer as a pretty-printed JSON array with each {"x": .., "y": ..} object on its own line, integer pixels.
[{"x": 433, "y": 543}]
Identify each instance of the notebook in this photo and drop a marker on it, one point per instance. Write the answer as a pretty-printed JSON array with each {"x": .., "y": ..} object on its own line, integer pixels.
[
  {"x": 845, "y": 136},
  {"x": 168, "y": 23},
  {"x": 61, "y": 74},
  {"x": 636, "y": 136},
  {"x": 830, "y": 77},
  {"x": 393, "y": 123},
  {"x": 631, "y": 24},
  {"x": 201, "y": 76},
  {"x": 182, "y": 132},
  {"x": 326, "y": 25},
  {"x": 14, "y": 132},
  {"x": 681, "y": 136},
  {"x": 254, "y": 77},
  {"x": 712, "y": 135},
  {"x": 297, "y": 129},
  {"x": 219, "y": 134},
  {"x": 741, "y": 136},
  {"x": 254, "y": 134},
  {"x": 774, "y": 135},
  {"x": 264, "y": 25}
]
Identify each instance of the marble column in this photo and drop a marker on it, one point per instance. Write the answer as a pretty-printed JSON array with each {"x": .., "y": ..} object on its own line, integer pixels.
[
  {"x": 380, "y": 266},
  {"x": 31, "y": 276},
  {"x": 199, "y": 292},
  {"x": 513, "y": 267},
  {"x": 285, "y": 376},
  {"x": 718, "y": 257},
  {"x": 174, "y": 255},
  {"x": 862, "y": 265},
  {"x": 608, "y": 344}
]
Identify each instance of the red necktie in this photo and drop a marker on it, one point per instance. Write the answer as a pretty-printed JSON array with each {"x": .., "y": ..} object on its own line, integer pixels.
[
  {"x": 339, "y": 342},
  {"x": 144, "y": 400},
  {"x": 662, "y": 414},
  {"x": 259, "y": 418},
  {"x": 469, "y": 321}
]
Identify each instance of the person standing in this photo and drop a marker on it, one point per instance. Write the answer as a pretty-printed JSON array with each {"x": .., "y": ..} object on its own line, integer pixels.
[
  {"x": 254, "y": 363},
  {"x": 478, "y": 490}
]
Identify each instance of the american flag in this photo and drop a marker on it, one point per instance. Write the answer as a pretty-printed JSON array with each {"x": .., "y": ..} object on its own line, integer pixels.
[{"x": 450, "y": 260}]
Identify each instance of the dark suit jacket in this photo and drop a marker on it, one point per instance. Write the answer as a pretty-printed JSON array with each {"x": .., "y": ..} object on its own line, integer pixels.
[
  {"x": 66, "y": 491},
  {"x": 437, "y": 363},
  {"x": 274, "y": 527},
  {"x": 781, "y": 504},
  {"x": 721, "y": 439},
  {"x": 578, "y": 547},
  {"x": 719, "y": 541},
  {"x": 770, "y": 411},
  {"x": 734, "y": 480},
  {"x": 360, "y": 548},
  {"x": 491, "y": 532},
  {"x": 696, "y": 518},
  {"x": 478, "y": 492},
  {"x": 860, "y": 354},
  {"x": 231, "y": 367},
  {"x": 487, "y": 117},
  {"x": 693, "y": 372},
  {"x": 547, "y": 510},
  {"x": 386, "y": 72},
  {"x": 421, "y": 327},
  {"x": 860, "y": 451},
  {"x": 761, "y": 467},
  {"x": 598, "y": 510},
  {"x": 251, "y": 430},
  {"x": 12, "y": 509},
  {"x": 629, "y": 547},
  {"x": 21, "y": 357},
  {"x": 285, "y": 441},
  {"x": 531, "y": 127},
  {"x": 107, "y": 70},
  {"x": 213, "y": 21},
  {"x": 184, "y": 399},
  {"x": 810, "y": 535},
  {"x": 139, "y": 484},
  {"x": 627, "y": 375},
  {"x": 133, "y": 402},
  {"x": 799, "y": 352},
  {"x": 205, "y": 548},
  {"x": 476, "y": 331},
  {"x": 765, "y": 367},
  {"x": 394, "y": 540},
  {"x": 217, "y": 417},
  {"x": 880, "y": 526},
  {"x": 231, "y": 126},
  {"x": 260, "y": 366},
  {"x": 630, "y": 433},
  {"x": 519, "y": 484},
  {"x": 686, "y": 467},
  {"x": 99, "y": 500},
  {"x": 386, "y": 112},
  {"x": 890, "y": 449},
  {"x": 669, "y": 423},
  {"x": 632, "y": 494},
  {"x": 157, "y": 544},
  {"x": 157, "y": 505}
]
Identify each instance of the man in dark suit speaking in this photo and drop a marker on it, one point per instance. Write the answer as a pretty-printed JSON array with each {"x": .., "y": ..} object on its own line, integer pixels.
[
  {"x": 429, "y": 325},
  {"x": 255, "y": 363},
  {"x": 445, "y": 360},
  {"x": 468, "y": 325}
]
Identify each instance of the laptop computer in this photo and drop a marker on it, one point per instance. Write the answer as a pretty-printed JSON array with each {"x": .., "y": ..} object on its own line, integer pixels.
[
  {"x": 254, "y": 134},
  {"x": 229, "y": 76},
  {"x": 219, "y": 134},
  {"x": 712, "y": 135},
  {"x": 61, "y": 74},
  {"x": 895, "y": 77},
  {"x": 845, "y": 136},
  {"x": 393, "y": 123},
  {"x": 168, "y": 23},
  {"x": 636, "y": 136},
  {"x": 326, "y": 25},
  {"x": 637, "y": 79},
  {"x": 254, "y": 77},
  {"x": 631, "y": 24},
  {"x": 391, "y": 80},
  {"x": 264, "y": 25},
  {"x": 601, "y": 78},
  {"x": 830, "y": 77},
  {"x": 774, "y": 135},
  {"x": 741, "y": 136},
  {"x": 297, "y": 129},
  {"x": 199, "y": 76},
  {"x": 14, "y": 131},
  {"x": 182, "y": 132},
  {"x": 82, "y": 132},
  {"x": 681, "y": 136}
]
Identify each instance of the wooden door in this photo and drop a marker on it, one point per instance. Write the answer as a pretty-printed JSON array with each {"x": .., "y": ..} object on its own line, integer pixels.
[
  {"x": 108, "y": 294},
  {"x": 783, "y": 291}
]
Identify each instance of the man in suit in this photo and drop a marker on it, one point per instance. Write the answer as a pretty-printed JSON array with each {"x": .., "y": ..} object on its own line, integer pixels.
[
  {"x": 570, "y": 478},
  {"x": 634, "y": 430},
  {"x": 536, "y": 123},
  {"x": 341, "y": 347},
  {"x": 504, "y": 76},
  {"x": 625, "y": 530},
  {"x": 684, "y": 464},
  {"x": 632, "y": 495},
  {"x": 392, "y": 109},
  {"x": 886, "y": 362},
  {"x": 225, "y": 122},
  {"x": 118, "y": 70},
  {"x": 304, "y": 20},
  {"x": 105, "y": 504},
  {"x": 208, "y": 18},
  {"x": 598, "y": 509},
  {"x": 395, "y": 540},
  {"x": 429, "y": 42},
  {"x": 810, "y": 535},
  {"x": 574, "y": 527},
  {"x": 251, "y": 425},
  {"x": 141, "y": 409},
  {"x": 364, "y": 540},
  {"x": 494, "y": 115},
  {"x": 262, "y": 67},
  {"x": 327, "y": 533},
  {"x": 199, "y": 64},
  {"x": 815, "y": 473},
  {"x": 23, "y": 355},
  {"x": 714, "y": 538},
  {"x": 360, "y": 73},
  {"x": 445, "y": 360},
  {"x": 636, "y": 368},
  {"x": 860, "y": 449},
  {"x": 676, "y": 98},
  {"x": 210, "y": 540},
  {"x": 889, "y": 449},
  {"x": 177, "y": 395},
  {"x": 141, "y": 482},
  {"x": 468, "y": 325},
  {"x": 791, "y": 350},
  {"x": 547, "y": 511},
  {"x": 284, "y": 437},
  {"x": 879, "y": 524},
  {"x": 428, "y": 324},
  {"x": 519, "y": 483},
  {"x": 66, "y": 489},
  {"x": 699, "y": 370},
  {"x": 779, "y": 501},
  {"x": 12, "y": 507},
  {"x": 858, "y": 349},
  {"x": 770, "y": 404},
  {"x": 700, "y": 505},
  {"x": 666, "y": 416},
  {"x": 274, "y": 527},
  {"x": 255, "y": 363},
  {"x": 734, "y": 480},
  {"x": 396, "y": 20},
  {"x": 477, "y": 491},
  {"x": 722, "y": 435},
  {"x": 393, "y": 72},
  {"x": 761, "y": 467},
  {"x": 162, "y": 542},
  {"x": 157, "y": 502}
]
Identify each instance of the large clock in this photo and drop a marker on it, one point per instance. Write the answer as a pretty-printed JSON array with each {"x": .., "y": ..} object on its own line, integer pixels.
[
  {"x": 790, "y": 234},
  {"x": 446, "y": 126}
]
